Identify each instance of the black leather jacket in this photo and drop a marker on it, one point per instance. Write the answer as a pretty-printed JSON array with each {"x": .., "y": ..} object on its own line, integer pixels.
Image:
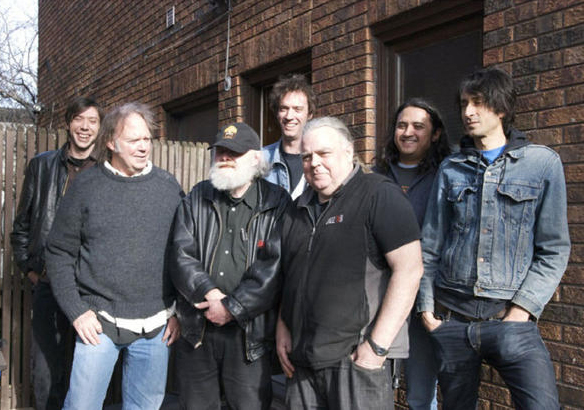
[
  {"x": 44, "y": 184},
  {"x": 253, "y": 304}
]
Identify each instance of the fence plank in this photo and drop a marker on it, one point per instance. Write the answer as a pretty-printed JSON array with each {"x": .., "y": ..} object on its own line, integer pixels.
[
  {"x": 164, "y": 155},
  {"x": 172, "y": 158},
  {"x": 52, "y": 140},
  {"x": 4, "y": 379},
  {"x": 7, "y": 295},
  {"x": 42, "y": 139},
  {"x": 200, "y": 162},
  {"x": 17, "y": 399},
  {"x": 31, "y": 143},
  {"x": 178, "y": 162},
  {"x": 62, "y": 136},
  {"x": 184, "y": 159},
  {"x": 156, "y": 151},
  {"x": 22, "y": 158}
]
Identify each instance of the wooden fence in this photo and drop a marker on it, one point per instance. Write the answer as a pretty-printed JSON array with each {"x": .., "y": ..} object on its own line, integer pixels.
[{"x": 187, "y": 161}]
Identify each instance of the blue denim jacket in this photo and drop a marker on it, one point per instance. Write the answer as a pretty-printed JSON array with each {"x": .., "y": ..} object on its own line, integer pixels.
[
  {"x": 279, "y": 171},
  {"x": 499, "y": 230}
]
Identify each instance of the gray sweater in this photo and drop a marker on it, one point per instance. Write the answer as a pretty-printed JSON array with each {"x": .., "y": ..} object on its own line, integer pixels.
[{"x": 107, "y": 247}]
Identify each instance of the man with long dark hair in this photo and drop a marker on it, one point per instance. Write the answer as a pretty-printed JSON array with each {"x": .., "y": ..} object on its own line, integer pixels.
[
  {"x": 495, "y": 247},
  {"x": 416, "y": 146}
]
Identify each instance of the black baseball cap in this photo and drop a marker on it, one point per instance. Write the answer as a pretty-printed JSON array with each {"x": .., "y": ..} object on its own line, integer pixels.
[{"x": 238, "y": 137}]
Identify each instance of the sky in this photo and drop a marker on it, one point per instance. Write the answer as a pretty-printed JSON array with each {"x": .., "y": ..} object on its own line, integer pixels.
[
  {"x": 16, "y": 12},
  {"x": 19, "y": 11}
]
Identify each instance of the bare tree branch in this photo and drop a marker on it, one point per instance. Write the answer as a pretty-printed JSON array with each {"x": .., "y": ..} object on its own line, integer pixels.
[{"x": 18, "y": 60}]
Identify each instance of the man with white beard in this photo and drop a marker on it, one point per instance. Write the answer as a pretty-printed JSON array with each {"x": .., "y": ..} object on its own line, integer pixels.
[{"x": 226, "y": 257}]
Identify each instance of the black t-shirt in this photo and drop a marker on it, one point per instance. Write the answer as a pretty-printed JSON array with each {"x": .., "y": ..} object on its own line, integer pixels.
[
  {"x": 294, "y": 164},
  {"x": 391, "y": 231},
  {"x": 337, "y": 270},
  {"x": 405, "y": 176}
]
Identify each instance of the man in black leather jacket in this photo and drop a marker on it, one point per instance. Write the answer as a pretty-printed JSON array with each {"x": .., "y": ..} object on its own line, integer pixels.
[
  {"x": 226, "y": 257},
  {"x": 47, "y": 177}
]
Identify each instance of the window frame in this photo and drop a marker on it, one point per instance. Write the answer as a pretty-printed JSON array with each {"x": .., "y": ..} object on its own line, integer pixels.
[{"x": 416, "y": 28}]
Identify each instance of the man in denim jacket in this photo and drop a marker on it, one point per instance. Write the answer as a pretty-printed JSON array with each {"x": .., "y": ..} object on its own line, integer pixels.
[
  {"x": 293, "y": 102},
  {"x": 495, "y": 246}
]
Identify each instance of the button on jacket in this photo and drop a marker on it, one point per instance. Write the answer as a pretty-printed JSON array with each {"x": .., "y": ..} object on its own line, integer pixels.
[
  {"x": 197, "y": 228},
  {"x": 499, "y": 230}
]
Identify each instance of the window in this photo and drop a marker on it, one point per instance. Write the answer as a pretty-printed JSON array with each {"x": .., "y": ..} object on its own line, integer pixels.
[
  {"x": 193, "y": 117},
  {"x": 425, "y": 52}
]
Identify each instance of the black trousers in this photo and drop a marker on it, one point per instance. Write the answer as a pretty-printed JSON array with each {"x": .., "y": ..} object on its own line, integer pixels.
[
  {"x": 344, "y": 386},
  {"x": 50, "y": 358},
  {"x": 219, "y": 366}
]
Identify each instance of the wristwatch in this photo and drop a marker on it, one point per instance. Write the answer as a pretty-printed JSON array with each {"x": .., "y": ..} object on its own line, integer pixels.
[{"x": 378, "y": 350}]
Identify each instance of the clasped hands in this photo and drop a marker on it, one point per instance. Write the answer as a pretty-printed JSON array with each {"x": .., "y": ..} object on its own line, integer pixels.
[{"x": 215, "y": 311}]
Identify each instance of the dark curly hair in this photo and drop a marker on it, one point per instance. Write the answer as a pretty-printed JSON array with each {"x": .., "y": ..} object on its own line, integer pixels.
[
  {"x": 290, "y": 83},
  {"x": 438, "y": 149}
]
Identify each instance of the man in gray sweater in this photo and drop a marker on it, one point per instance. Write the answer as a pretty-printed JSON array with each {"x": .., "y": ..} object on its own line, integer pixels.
[{"x": 106, "y": 258}]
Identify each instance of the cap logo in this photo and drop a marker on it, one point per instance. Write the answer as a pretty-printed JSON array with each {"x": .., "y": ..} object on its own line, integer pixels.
[{"x": 229, "y": 132}]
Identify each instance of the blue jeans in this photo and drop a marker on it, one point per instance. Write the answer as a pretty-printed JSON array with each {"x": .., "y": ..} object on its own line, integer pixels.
[
  {"x": 51, "y": 359},
  {"x": 145, "y": 363},
  {"x": 514, "y": 349},
  {"x": 421, "y": 368},
  {"x": 345, "y": 386}
]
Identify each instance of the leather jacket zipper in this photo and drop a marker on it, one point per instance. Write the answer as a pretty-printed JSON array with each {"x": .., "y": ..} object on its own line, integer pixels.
[
  {"x": 250, "y": 249},
  {"x": 200, "y": 342}
]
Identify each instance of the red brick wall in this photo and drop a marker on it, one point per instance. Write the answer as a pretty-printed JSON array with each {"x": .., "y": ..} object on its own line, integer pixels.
[
  {"x": 120, "y": 51},
  {"x": 540, "y": 43}
]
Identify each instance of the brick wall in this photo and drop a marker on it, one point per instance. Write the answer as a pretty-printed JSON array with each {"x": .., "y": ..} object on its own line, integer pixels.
[
  {"x": 540, "y": 43},
  {"x": 119, "y": 51}
]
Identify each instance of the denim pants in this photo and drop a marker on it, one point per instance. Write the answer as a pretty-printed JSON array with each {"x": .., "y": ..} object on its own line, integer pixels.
[
  {"x": 514, "y": 349},
  {"x": 145, "y": 363},
  {"x": 51, "y": 361},
  {"x": 345, "y": 386},
  {"x": 421, "y": 368},
  {"x": 221, "y": 362}
]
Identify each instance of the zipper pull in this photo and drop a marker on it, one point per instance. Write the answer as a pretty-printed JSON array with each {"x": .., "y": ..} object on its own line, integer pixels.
[{"x": 311, "y": 237}]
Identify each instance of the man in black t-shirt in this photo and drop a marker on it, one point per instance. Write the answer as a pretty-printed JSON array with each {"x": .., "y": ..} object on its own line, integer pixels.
[{"x": 350, "y": 277}]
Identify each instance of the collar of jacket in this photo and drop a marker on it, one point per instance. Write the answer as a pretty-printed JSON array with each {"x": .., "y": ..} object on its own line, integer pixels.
[
  {"x": 304, "y": 199},
  {"x": 64, "y": 153},
  {"x": 515, "y": 147},
  {"x": 277, "y": 156},
  {"x": 267, "y": 198}
]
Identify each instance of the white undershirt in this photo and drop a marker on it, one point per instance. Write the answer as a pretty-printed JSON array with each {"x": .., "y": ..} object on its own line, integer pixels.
[{"x": 150, "y": 323}]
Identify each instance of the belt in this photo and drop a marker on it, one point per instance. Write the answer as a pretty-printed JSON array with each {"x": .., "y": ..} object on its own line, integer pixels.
[{"x": 448, "y": 313}]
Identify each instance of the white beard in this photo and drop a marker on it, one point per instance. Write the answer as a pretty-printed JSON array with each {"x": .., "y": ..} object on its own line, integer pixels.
[{"x": 228, "y": 179}]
